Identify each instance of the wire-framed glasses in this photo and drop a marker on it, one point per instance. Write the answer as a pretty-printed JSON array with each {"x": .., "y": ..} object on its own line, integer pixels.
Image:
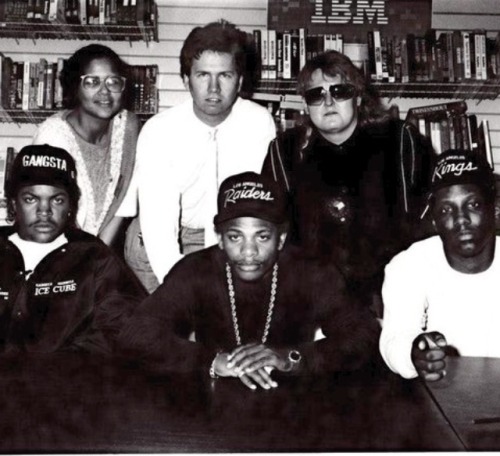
[{"x": 114, "y": 84}]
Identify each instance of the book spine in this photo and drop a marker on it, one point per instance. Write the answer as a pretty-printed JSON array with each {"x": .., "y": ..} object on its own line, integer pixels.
[
  {"x": 484, "y": 66},
  {"x": 279, "y": 55},
  {"x": 58, "y": 93},
  {"x": 287, "y": 56},
  {"x": 41, "y": 83},
  {"x": 271, "y": 52},
  {"x": 458, "y": 62},
  {"x": 377, "y": 43},
  {"x": 295, "y": 58},
  {"x": 49, "y": 86},
  {"x": 405, "y": 69},
  {"x": 264, "y": 49},
  {"x": 3, "y": 171},
  {"x": 466, "y": 55},
  {"x": 477, "y": 56},
  {"x": 302, "y": 47},
  {"x": 33, "y": 87},
  {"x": 340, "y": 43},
  {"x": 412, "y": 58},
  {"x": 26, "y": 87},
  {"x": 451, "y": 56}
]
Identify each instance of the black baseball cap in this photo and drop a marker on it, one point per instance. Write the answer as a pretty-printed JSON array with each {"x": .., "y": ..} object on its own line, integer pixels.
[
  {"x": 461, "y": 167},
  {"x": 251, "y": 195},
  {"x": 42, "y": 165},
  {"x": 455, "y": 167}
]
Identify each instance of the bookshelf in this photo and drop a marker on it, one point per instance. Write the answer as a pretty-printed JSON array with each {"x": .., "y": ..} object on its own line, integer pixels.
[
  {"x": 37, "y": 116},
  {"x": 36, "y": 31},
  {"x": 97, "y": 20},
  {"x": 481, "y": 90}
]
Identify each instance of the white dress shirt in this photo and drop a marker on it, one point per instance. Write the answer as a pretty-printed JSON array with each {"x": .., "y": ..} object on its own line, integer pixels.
[{"x": 181, "y": 162}]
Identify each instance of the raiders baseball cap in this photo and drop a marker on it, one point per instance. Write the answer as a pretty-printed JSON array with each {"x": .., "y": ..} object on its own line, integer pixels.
[
  {"x": 42, "y": 165},
  {"x": 251, "y": 195}
]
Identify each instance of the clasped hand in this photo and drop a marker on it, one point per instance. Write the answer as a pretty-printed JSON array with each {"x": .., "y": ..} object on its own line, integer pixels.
[
  {"x": 252, "y": 364},
  {"x": 428, "y": 355}
]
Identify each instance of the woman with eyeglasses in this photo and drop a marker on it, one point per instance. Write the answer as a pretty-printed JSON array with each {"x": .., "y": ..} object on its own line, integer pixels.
[
  {"x": 357, "y": 177},
  {"x": 101, "y": 136}
]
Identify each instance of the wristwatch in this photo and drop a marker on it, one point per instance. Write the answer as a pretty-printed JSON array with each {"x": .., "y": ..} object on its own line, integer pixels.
[
  {"x": 294, "y": 357},
  {"x": 212, "y": 368}
]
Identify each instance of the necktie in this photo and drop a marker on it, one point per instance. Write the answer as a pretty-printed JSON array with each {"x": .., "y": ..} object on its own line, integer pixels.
[{"x": 212, "y": 180}]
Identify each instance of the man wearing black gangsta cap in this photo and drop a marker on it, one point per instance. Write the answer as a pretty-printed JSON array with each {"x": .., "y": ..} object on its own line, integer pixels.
[
  {"x": 442, "y": 294},
  {"x": 253, "y": 303},
  {"x": 60, "y": 288}
]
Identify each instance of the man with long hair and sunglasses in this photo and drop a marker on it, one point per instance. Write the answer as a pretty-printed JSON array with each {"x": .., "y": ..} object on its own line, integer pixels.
[{"x": 356, "y": 176}]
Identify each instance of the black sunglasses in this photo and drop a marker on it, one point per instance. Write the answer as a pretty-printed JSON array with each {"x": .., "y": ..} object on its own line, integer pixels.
[{"x": 339, "y": 92}]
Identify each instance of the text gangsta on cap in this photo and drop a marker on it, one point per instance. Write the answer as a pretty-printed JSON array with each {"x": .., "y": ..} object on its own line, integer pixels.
[{"x": 42, "y": 165}]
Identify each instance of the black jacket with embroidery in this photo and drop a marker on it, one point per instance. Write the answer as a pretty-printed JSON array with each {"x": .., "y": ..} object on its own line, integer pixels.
[
  {"x": 358, "y": 203},
  {"x": 75, "y": 299}
]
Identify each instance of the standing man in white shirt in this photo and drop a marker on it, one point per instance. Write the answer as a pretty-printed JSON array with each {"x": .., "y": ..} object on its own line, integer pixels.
[
  {"x": 184, "y": 153},
  {"x": 441, "y": 296}
]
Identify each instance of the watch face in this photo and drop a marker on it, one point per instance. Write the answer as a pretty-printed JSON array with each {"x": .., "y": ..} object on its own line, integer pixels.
[{"x": 294, "y": 356}]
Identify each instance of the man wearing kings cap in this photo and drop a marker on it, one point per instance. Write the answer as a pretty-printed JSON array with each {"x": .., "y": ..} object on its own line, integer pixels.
[
  {"x": 242, "y": 299},
  {"x": 441, "y": 295}
]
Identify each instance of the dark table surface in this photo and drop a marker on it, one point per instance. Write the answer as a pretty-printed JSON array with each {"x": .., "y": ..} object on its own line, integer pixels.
[
  {"x": 471, "y": 391},
  {"x": 70, "y": 403}
]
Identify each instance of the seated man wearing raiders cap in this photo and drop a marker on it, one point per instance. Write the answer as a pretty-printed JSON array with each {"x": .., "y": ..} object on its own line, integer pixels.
[
  {"x": 441, "y": 296},
  {"x": 60, "y": 288},
  {"x": 253, "y": 303}
]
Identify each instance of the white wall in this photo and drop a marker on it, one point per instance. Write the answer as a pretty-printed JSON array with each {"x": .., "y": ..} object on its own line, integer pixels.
[{"x": 176, "y": 19}]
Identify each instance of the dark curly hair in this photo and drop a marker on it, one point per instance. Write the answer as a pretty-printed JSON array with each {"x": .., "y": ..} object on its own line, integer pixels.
[{"x": 76, "y": 66}]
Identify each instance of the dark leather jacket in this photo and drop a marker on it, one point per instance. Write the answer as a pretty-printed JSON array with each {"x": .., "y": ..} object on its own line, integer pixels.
[{"x": 75, "y": 299}]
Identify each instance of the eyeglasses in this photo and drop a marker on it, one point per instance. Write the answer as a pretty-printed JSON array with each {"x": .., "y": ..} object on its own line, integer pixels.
[
  {"x": 339, "y": 92},
  {"x": 112, "y": 83}
]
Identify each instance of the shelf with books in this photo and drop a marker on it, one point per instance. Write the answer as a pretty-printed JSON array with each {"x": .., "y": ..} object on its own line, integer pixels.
[
  {"x": 34, "y": 31},
  {"x": 30, "y": 91},
  {"x": 449, "y": 126},
  {"x": 123, "y": 20},
  {"x": 37, "y": 116},
  {"x": 480, "y": 90}
]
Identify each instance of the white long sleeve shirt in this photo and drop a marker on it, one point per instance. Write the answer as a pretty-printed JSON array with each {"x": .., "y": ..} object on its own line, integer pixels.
[
  {"x": 180, "y": 164},
  {"x": 423, "y": 293}
]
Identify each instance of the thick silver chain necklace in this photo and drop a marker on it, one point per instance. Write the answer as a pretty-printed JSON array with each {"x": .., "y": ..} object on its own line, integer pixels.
[{"x": 232, "y": 300}]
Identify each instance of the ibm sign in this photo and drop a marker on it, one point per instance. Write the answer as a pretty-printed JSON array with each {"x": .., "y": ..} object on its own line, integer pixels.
[{"x": 349, "y": 12}]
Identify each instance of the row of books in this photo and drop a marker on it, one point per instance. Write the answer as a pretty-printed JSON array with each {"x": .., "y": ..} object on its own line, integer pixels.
[
  {"x": 83, "y": 12},
  {"x": 30, "y": 86},
  {"x": 449, "y": 56},
  {"x": 449, "y": 126},
  {"x": 6, "y": 158},
  {"x": 283, "y": 54}
]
